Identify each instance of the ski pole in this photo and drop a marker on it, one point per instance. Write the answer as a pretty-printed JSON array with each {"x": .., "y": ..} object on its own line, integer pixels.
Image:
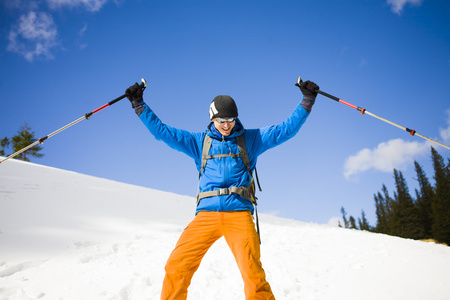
[
  {"x": 86, "y": 116},
  {"x": 363, "y": 111}
]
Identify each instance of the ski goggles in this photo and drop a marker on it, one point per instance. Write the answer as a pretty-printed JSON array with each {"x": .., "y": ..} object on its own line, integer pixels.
[{"x": 223, "y": 120}]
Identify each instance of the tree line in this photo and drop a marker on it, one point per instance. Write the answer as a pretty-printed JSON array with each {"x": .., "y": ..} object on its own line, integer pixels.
[
  {"x": 425, "y": 216},
  {"x": 23, "y": 138}
]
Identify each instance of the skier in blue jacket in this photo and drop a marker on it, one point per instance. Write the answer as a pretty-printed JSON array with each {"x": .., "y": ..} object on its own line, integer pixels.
[{"x": 225, "y": 205}]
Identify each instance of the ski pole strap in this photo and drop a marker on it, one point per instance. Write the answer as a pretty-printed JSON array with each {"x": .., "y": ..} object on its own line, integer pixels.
[
  {"x": 257, "y": 223},
  {"x": 257, "y": 180}
]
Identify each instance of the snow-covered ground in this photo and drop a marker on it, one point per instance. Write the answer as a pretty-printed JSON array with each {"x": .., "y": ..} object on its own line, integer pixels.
[{"x": 65, "y": 235}]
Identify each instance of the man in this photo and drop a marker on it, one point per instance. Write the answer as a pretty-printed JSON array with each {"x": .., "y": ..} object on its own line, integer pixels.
[{"x": 225, "y": 199}]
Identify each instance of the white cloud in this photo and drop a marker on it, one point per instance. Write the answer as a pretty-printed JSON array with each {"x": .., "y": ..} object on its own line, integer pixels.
[
  {"x": 445, "y": 132},
  {"x": 398, "y": 5},
  {"x": 91, "y": 5},
  {"x": 385, "y": 157},
  {"x": 274, "y": 213},
  {"x": 81, "y": 33},
  {"x": 83, "y": 30},
  {"x": 35, "y": 34},
  {"x": 334, "y": 221}
]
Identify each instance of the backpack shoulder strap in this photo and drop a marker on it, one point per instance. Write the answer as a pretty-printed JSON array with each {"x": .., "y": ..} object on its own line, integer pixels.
[
  {"x": 205, "y": 152},
  {"x": 243, "y": 154}
]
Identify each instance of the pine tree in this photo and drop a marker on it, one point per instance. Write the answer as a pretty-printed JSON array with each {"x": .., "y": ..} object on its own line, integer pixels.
[
  {"x": 380, "y": 212},
  {"x": 390, "y": 203},
  {"x": 4, "y": 143},
  {"x": 344, "y": 218},
  {"x": 406, "y": 222},
  {"x": 441, "y": 202},
  {"x": 384, "y": 211},
  {"x": 24, "y": 138},
  {"x": 352, "y": 223},
  {"x": 424, "y": 200},
  {"x": 428, "y": 216},
  {"x": 363, "y": 223}
]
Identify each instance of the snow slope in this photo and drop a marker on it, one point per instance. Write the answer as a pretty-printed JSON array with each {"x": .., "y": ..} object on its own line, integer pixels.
[{"x": 65, "y": 235}]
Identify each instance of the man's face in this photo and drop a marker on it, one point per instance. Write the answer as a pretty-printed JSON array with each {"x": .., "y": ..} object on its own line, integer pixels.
[{"x": 224, "y": 126}]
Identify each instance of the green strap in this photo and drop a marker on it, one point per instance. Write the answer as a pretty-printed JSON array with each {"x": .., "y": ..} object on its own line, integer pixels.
[
  {"x": 205, "y": 153},
  {"x": 240, "y": 141},
  {"x": 244, "y": 192}
]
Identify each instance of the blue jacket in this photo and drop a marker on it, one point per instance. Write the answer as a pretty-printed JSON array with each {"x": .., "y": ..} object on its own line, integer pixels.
[{"x": 224, "y": 172}]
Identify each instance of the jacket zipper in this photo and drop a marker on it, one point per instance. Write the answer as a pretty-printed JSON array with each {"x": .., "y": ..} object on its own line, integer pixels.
[{"x": 225, "y": 173}]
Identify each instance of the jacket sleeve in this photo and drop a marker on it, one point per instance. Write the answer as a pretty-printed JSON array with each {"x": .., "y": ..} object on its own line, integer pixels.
[
  {"x": 271, "y": 136},
  {"x": 178, "y": 139}
]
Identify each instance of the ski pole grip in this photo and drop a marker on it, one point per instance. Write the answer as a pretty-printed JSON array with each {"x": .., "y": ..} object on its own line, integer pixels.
[
  {"x": 300, "y": 81},
  {"x": 328, "y": 95},
  {"x": 143, "y": 83}
]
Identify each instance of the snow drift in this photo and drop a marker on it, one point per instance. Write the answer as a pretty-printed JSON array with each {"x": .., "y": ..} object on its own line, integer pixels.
[{"x": 65, "y": 235}]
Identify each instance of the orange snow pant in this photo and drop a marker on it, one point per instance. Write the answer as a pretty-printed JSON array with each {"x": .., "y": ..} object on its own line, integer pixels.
[{"x": 206, "y": 228}]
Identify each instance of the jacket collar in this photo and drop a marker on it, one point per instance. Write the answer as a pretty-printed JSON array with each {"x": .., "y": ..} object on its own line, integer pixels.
[{"x": 214, "y": 133}]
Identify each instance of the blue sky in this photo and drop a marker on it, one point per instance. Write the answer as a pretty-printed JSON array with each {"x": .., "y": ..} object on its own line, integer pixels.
[{"x": 62, "y": 58}]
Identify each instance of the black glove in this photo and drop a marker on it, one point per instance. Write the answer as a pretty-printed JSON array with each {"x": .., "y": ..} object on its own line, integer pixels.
[
  {"x": 134, "y": 94},
  {"x": 309, "y": 91},
  {"x": 309, "y": 88}
]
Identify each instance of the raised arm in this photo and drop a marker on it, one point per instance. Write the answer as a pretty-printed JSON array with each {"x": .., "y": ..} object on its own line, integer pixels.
[{"x": 178, "y": 139}]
